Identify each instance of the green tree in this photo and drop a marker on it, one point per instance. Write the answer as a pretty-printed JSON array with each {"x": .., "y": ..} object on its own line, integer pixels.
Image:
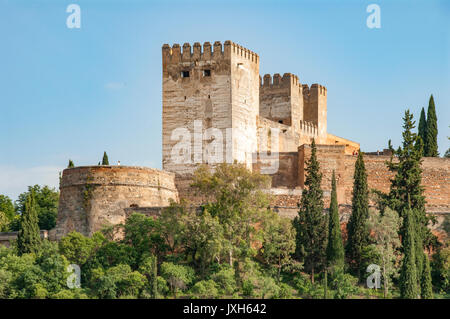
[
  {"x": 447, "y": 152},
  {"x": 311, "y": 222},
  {"x": 78, "y": 249},
  {"x": 426, "y": 286},
  {"x": 105, "y": 160},
  {"x": 335, "y": 247},
  {"x": 178, "y": 276},
  {"x": 278, "y": 243},
  {"x": 7, "y": 207},
  {"x": 225, "y": 277},
  {"x": 204, "y": 240},
  {"x": 205, "y": 289},
  {"x": 407, "y": 167},
  {"x": 70, "y": 164},
  {"x": 440, "y": 268},
  {"x": 149, "y": 268},
  {"x": 118, "y": 282},
  {"x": 408, "y": 274},
  {"x": 384, "y": 229},
  {"x": 344, "y": 285},
  {"x": 29, "y": 238},
  {"x": 46, "y": 200},
  {"x": 357, "y": 225},
  {"x": 422, "y": 127},
  {"x": 143, "y": 235},
  {"x": 236, "y": 197},
  {"x": 431, "y": 146},
  {"x": 172, "y": 222},
  {"x": 4, "y": 222},
  {"x": 406, "y": 190}
]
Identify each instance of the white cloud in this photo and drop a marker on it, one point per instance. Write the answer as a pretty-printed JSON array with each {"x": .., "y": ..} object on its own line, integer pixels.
[
  {"x": 114, "y": 85},
  {"x": 15, "y": 180}
]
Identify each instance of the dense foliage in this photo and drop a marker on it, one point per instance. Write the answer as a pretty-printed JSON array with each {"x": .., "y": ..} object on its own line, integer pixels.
[
  {"x": 46, "y": 200},
  {"x": 191, "y": 252}
]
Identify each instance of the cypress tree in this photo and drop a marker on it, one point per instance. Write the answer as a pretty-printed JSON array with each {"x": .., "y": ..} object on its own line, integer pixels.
[
  {"x": 155, "y": 278},
  {"x": 406, "y": 191},
  {"x": 29, "y": 239},
  {"x": 408, "y": 178},
  {"x": 105, "y": 160},
  {"x": 426, "y": 287},
  {"x": 356, "y": 228},
  {"x": 431, "y": 146},
  {"x": 311, "y": 222},
  {"x": 422, "y": 127},
  {"x": 418, "y": 244},
  {"x": 408, "y": 274},
  {"x": 70, "y": 164},
  {"x": 335, "y": 248}
]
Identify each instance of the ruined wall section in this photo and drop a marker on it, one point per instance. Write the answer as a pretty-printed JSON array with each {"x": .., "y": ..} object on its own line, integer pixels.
[{"x": 94, "y": 196}]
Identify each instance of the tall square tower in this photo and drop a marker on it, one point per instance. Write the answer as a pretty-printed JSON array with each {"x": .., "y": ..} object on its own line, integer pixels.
[{"x": 210, "y": 105}]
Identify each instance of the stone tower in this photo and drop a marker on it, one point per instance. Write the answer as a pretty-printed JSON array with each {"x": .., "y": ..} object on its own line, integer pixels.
[
  {"x": 315, "y": 109},
  {"x": 209, "y": 95}
]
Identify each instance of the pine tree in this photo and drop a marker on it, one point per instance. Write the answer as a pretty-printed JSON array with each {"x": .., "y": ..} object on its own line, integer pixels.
[
  {"x": 357, "y": 225},
  {"x": 70, "y": 164},
  {"x": 311, "y": 222},
  {"x": 335, "y": 248},
  {"x": 29, "y": 239},
  {"x": 105, "y": 160},
  {"x": 408, "y": 274},
  {"x": 422, "y": 127},
  {"x": 426, "y": 287},
  {"x": 431, "y": 146}
]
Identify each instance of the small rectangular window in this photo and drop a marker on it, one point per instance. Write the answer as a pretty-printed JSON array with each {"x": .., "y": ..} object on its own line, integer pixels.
[
  {"x": 206, "y": 72},
  {"x": 184, "y": 74}
]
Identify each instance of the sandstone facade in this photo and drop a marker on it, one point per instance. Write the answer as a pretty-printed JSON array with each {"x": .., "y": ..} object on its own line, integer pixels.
[{"x": 215, "y": 93}]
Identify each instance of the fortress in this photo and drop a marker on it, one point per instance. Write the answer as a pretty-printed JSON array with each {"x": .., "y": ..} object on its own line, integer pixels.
[{"x": 216, "y": 108}]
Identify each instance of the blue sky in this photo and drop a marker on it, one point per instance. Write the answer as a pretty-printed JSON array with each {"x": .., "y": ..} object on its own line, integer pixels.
[{"x": 73, "y": 93}]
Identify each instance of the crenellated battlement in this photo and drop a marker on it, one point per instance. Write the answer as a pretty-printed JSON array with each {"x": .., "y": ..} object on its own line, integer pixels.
[
  {"x": 177, "y": 54},
  {"x": 308, "y": 129},
  {"x": 314, "y": 91},
  {"x": 276, "y": 81}
]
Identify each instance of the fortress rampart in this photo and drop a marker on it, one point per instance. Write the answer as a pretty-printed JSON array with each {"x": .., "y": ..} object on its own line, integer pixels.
[
  {"x": 218, "y": 87},
  {"x": 435, "y": 176},
  {"x": 94, "y": 196}
]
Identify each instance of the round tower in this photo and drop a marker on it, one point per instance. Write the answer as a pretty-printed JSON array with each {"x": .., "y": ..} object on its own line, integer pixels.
[{"x": 92, "y": 197}]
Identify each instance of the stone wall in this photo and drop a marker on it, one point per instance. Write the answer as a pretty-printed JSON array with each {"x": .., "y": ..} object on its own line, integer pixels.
[
  {"x": 7, "y": 237},
  {"x": 435, "y": 175},
  {"x": 209, "y": 89},
  {"x": 281, "y": 99},
  {"x": 94, "y": 196},
  {"x": 315, "y": 108}
]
